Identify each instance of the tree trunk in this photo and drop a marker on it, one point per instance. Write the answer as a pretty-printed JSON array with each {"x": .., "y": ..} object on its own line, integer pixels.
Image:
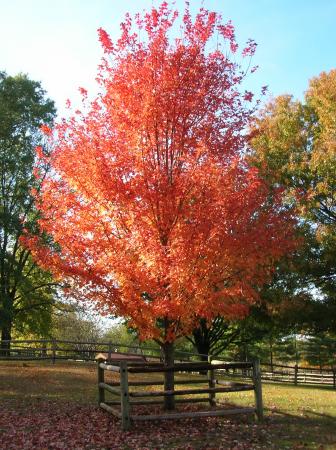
[
  {"x": 204, "y": 354},
  {"x": 201, "y": 341},
  {"x": 168, "y": 355},
  {"x": 6, "y": 337},
  {"x": 6, "y": 321}
]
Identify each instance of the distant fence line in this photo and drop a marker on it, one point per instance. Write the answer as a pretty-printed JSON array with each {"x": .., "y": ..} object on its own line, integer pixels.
[
  {"x": 299, "y": 375},
  {"x": 296, "y": 375},
  {"x": 54, "y": 349}
]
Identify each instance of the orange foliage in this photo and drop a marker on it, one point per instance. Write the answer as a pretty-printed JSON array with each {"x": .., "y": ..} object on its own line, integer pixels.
[{"x": 153, "y": 211}]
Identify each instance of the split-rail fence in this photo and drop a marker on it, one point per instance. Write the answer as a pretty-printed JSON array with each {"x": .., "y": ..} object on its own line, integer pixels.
[
  {"x": 128, "y": 391},
  {"x": 52, "y": 349}
]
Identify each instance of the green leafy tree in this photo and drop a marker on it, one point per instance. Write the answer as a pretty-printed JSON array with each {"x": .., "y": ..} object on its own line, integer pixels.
[
  {"x": 321, "y": 350},
  {"x": 75, "y": 325},
  {"x": 284, "y": 307},
  {"x": 294, "y": 146},
  {"x": 121, "y": 334},
  {"x": 26, "y": 292}
]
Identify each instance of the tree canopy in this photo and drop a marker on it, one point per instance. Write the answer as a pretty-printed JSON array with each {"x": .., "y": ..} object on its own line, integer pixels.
[
  {"x": 294, "y": 147},
  {"x": 154, "y": 212},
  {"x": 25, "y": 290}
]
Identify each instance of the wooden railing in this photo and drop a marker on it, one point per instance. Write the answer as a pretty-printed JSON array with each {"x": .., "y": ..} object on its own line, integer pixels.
[
  {"x": 299, "y": 375},
  {"x": 125, "y": 397},
  {"x": 53, "y": 349}
]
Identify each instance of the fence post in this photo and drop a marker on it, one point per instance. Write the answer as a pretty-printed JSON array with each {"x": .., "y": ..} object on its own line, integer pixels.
[
  {"x": 54, "y": 346},
  {"x": 44, "y": 349},
  {"x": 334, "y": 378},
  {"x": 258, "y": 389},
  {"x": 212, "y": 384},
  {"x": 101, "y": 390},
  {"x": 296, "y": 370},
  {"x": 124, "y": 398},
  {"x": 109, "y": 354}
]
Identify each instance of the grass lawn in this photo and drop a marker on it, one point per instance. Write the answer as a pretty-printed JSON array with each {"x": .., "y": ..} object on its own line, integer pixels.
[{"x": 45, "y": 406}]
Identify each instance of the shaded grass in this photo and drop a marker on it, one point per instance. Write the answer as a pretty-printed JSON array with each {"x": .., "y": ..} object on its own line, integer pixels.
[
  {"x": 300, "y": 414},
  {"x": 62, "y": 382},
  {"x": 296, "y": 417}
]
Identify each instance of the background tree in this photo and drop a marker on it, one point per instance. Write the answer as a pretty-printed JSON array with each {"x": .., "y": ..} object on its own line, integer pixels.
[
  {"x": 213, "y": 337},
  {"x": 286, "y": 306},
  {"x": 76, "y": 325},
  {"x": 81, "y": 329},
  {"x": 294, "y": 147},
  {"x": 26, "y": 292},
  {"x": 320, "y": 350},
  {"x": 121, "y": 334},
  {"x": 154, "y": 212}
]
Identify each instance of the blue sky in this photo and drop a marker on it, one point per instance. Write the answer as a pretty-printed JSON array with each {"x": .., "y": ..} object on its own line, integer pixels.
[{"x": 56, "y": 42}]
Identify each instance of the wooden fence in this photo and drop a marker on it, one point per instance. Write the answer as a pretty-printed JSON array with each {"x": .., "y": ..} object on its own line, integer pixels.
[
  {"x": 299, "y": 375},
  {"x": 126, "y": 397},
  {"x": 53, "y": 349}
]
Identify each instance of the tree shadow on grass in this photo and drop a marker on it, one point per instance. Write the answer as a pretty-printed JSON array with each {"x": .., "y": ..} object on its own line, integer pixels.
[
  {"x": 308, "y": 387},
  {"x": 308, "y": 429}
]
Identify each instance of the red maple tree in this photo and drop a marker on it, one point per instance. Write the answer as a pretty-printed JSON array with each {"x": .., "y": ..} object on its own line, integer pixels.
[{"x": 154, "y": 214}]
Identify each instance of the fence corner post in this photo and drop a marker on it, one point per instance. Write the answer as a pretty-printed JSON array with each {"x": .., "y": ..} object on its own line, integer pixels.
[
  {"x": 101, "y": 390},
  {"x": 124, "y": 397},
  {"x": 258, "y": 389}
]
